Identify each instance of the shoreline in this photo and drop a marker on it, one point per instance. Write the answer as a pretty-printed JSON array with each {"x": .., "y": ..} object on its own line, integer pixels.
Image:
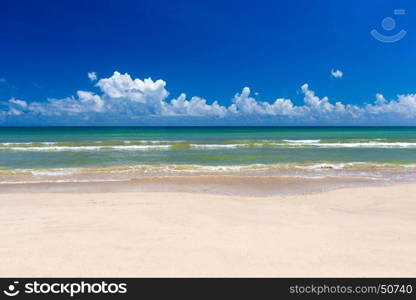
[
  {"x": 234, "y": 185},
  {"x": 353, "y": 232}
]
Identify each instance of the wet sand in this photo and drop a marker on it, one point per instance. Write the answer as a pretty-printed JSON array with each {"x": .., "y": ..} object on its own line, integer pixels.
[
  {"x": 217, "y": 185},
  {"x": 361, "y": 231}
]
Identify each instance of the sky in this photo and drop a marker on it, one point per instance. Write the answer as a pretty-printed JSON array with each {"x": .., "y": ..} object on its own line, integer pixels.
[{"x": 141, "y": 62}]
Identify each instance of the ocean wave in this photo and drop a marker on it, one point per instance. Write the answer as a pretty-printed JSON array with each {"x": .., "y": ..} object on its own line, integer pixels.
[
  {"x": 339, "y": 166},
  {"x": 189, "y": 168},
  {"x": 89, "y": 143},
  {"x": 86, "y": 148},
  {"x": 142, "y": 145},
  {"x": 301, "y": 141},
  {"x": 51, "y": 172},
  {"x": 362, "y": 145},
  {"x": 219, "y": 146},
  {"x": 318, "y": 169}
]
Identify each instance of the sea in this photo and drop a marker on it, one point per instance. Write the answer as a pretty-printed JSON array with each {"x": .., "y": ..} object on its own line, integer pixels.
[{"x": 100, "y": 154}]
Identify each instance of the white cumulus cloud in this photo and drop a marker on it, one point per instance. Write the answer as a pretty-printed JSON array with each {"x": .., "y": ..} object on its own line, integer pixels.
[
  {"x": 123, "y": 99},
  {"x": 196, "y": 106},
  {"x": 337, "y": 73},
  {"x": 92, "y": 76}
]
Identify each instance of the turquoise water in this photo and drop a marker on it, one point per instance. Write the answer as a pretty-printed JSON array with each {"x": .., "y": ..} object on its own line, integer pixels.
[{"x": 128, "y": 152}]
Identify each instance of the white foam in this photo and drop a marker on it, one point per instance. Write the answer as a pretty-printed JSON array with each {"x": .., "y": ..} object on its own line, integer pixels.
[
  {"x": 53, "y": 172},
  {"x": 61, "y": 181},
  {"x": 366, "y": 145},
  {"x": 154, "y": 144},
  {"x": 86, "y": 148},
  {"x": 333, "y": 166},
  {"x": 302, "y": 141},
  {"x": 370, "y": 144},
  {"x": 219, "y": 146}
]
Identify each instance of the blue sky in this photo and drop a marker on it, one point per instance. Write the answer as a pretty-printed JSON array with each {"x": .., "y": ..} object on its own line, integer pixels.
[{"x": 211, "y": 50}]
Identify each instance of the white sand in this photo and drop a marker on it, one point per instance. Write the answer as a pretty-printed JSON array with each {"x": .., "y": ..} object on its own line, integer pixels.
[{"x": 350, "y": 232}]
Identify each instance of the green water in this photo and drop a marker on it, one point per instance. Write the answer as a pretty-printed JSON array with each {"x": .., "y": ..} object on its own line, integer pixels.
[
  {"x": 28, "y": 134},
  {"x": 292, "y": 147}
]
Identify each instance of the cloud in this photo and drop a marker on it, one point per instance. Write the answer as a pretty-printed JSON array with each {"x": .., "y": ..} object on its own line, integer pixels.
[
  {"x": 244, "y": 104},
  {"x": 18, "y": 102},
  {"x": 194, "y": 107},
  {"x": 404, "y": 106},
  {"x": 124, "y": 100},
  {"x": 16, "y": 107},
  {"x": 337, "y": 73},
  {"x": 146, "y": 96},
  {"x": 92, "y": 76}
]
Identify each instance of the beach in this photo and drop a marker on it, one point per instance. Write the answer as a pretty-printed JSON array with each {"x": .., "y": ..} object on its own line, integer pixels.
[
  {"x": 366, "y": 231},
  {"x": 207, "y": 201},
  {"x": 207, "y": 139}
]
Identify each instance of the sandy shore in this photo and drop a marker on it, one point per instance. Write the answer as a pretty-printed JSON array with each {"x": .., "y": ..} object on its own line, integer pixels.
[{"x": 364, "y": 231}]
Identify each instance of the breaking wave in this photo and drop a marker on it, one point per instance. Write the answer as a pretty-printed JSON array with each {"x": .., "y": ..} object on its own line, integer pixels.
[{"x": 195, "y": 145}]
